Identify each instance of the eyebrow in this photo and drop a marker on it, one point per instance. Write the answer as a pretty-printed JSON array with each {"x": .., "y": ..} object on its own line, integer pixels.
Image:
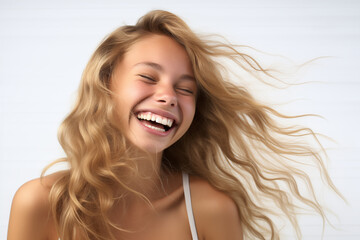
[{"x": 161, "y": 69}]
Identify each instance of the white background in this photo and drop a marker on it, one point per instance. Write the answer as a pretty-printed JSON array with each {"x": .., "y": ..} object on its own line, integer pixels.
[{"x": 44, "y": 46}]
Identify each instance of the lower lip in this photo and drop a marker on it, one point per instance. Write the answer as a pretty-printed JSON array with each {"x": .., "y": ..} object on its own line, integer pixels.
[{"x": 153, "y": 131}]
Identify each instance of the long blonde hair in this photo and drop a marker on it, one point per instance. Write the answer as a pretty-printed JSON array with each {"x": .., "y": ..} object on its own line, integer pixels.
[{"x": 234, "y": 142}]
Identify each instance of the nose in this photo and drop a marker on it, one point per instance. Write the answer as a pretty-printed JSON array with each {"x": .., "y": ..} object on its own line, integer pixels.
[{"x": 166, "y": 95}]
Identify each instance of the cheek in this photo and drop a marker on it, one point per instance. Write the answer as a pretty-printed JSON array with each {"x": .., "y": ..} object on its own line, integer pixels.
[
  {"x": 121, "y": 112},
  {"x": 137, "y": 91},
  {"x": 130, "y": 95},
  {"x": 189, "y": 111}
]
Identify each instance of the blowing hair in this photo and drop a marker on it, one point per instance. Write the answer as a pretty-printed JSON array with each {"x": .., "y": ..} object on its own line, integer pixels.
[{"x": 235, "y": 142}]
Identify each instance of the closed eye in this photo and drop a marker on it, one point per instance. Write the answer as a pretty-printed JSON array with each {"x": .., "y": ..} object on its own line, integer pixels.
[
  {"x": 147, "y": 77},
  {"x": 186, "y": 91}
]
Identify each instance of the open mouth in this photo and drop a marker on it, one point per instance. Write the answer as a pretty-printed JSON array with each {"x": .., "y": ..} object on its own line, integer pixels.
[{"x": 156, "y": 122}]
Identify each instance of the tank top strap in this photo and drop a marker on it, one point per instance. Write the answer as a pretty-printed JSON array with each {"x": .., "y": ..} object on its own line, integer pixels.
[{"x": 188, "y": 205}]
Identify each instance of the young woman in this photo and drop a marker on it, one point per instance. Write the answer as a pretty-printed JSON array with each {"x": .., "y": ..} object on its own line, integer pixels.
[{"x": 160, "y": 145}]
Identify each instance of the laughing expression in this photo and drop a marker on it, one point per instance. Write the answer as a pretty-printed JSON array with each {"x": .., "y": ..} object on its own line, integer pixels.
[{"x": 155, "y": 93}]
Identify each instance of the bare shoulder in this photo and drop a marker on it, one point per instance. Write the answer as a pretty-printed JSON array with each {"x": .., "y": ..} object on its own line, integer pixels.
[
  {"x": 34, "y": 193},
  {"x": 215, "y": 201},
  {"x": 30, "y": 210},
  {"x": 216, "y": 213}
]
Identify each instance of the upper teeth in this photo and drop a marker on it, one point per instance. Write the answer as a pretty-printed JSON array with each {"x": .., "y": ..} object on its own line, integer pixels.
[{"x": 156, "y": 118}]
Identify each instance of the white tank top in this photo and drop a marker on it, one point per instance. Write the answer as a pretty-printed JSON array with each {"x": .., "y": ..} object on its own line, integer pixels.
[{"x": 188, "y": 205}]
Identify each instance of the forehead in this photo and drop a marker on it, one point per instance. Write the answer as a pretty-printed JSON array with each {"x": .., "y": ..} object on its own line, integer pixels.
[{"x": 159, "y": 49}]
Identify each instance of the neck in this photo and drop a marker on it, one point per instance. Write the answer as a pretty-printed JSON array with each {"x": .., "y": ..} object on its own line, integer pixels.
[
  {"x": 151, "y": 181},
  {"x": 148, "y": 177}
]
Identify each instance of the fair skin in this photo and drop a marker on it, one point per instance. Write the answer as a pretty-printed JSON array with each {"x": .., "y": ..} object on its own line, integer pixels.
[{"x": 149, "y": 83}]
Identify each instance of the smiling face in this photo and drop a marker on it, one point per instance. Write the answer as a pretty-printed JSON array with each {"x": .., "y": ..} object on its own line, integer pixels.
[{"x": 155, "y": 93}]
